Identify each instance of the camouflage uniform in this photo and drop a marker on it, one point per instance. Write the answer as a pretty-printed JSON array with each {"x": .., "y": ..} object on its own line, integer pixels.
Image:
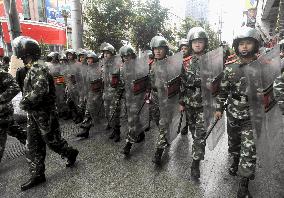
[
  {"x": 94, "y": 97},
  {"x": 9, "y": 89},
  {"x": 43, "y": 126},
  {"x": 186, "y": 62},
  {"x": 279, "y": 90},
  {"x": 234, "y": 88},
  {"x": 192, "y": 99},
  {"x": 5, "y": 67},
  {"x": 113, "y": 92},
  {"x": 74, "y": 100},
  {"x": 154, "y": 107},
  {"x": 56, "y": 70}
]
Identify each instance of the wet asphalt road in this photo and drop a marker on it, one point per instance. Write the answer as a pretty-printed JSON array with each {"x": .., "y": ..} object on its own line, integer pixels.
[{"x": 103, "y": 172}]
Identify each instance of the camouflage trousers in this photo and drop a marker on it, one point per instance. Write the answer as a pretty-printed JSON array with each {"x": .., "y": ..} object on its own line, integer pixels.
[
  {"x": 43, "y": 129},
  {"x": 61, "y": 99},
  {"x": 155, "y": 116},
  {"x": 13, "y": 129},
  {"x": 196, "y": 126},
  {"x": 94, "y": 107},
  {"x": 137, "y": 122},
  {"x": 75, "y": 101},
  {"x": 241, "y": 145},
  {"x": 112, "y": 112}
]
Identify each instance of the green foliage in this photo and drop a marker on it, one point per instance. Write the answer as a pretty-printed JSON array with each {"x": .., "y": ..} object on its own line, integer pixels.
[
  {"x": 189, "y": 23},
  {"x": 132, "y": 20},
  {"x": 148, "y": 21},
  {"x": 107, "y": 21}
]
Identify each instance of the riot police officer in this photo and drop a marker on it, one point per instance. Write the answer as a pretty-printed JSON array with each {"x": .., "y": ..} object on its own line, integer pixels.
[
  {"x": 39, "y": 102},
  {"x": 233, "y": 89}
]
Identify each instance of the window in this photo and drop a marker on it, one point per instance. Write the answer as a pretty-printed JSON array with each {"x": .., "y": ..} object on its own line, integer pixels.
[{"x": 26, "y": 10}]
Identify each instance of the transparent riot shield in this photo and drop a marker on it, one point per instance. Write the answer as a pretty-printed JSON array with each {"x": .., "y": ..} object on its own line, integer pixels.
[
  {"x": 266, "y": 117},
  {"x": 136, "y": 83},
  {"x": 211, "y": 72},
  {"x": 168, "y": 85},
  {"x": 74, "y": 82},
  {"x": 111, "y": 77},
  {"x": 94, "y": 84},
  {"x": 57, "y": 71}
]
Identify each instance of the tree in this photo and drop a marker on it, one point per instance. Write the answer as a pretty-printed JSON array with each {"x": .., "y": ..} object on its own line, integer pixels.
[
  {"x": 189, "y": 23},
  {"x": 107, "y": 21},
  {"x": 148, "y": 20}
]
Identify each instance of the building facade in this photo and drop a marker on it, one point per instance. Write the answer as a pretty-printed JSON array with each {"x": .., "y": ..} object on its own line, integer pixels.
[
  {"x": 197, "y": 9},
  {"x": 266, "y": 20},
  {"x": 47, "y": 21}
]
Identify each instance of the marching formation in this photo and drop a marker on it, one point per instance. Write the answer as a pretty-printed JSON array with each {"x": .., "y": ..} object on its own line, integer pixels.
[{"x": 190, "y": 90}]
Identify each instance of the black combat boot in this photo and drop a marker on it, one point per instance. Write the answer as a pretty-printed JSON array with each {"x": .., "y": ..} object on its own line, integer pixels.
[
  {"x": 195, "y": 170},
  {"x": 84, "y": 133},
  {"x": 127, "y": 148},
  {"x": 141, "y": 137},
  {"x": 32, "y": 182},
  {"x": 243, "y": 191},
  {"x": 158, "y": 156},
  {"x": 71, "y": 158},
  {"x": 184, "y": 131},
  {"x": 234, "y": 167},
  {"x": 116, "y": 134}
]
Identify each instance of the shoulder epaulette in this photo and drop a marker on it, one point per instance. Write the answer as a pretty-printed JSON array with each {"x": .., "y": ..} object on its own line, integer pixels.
[
  {"x": 231, "y": 56},
  {"x": 187, "y": 58},
  {"x": 150, "y": 61},
  {"x": 230, "y": 62}
]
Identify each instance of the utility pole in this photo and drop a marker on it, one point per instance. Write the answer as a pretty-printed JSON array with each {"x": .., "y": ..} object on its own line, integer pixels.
[
  {"x": 13, "y": 19},
  {"x": 220, "y": 26},
  {"x": 65, "y": 15},
  {"x": 77, "y": 24}
]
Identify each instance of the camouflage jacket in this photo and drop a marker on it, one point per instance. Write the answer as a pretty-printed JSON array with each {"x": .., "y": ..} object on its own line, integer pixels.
[
  {"x": 39, "y": 89},
  {"x": 234, "y": 90},
  {"x": 191, "y": 83},
  {"x": 113, "y": 81},
  {"x": 8, "y": 90},
  {"x": 5, "y": 67},
  {"x": 152, "y": 82},
  {"x": 279, "y": 90}
]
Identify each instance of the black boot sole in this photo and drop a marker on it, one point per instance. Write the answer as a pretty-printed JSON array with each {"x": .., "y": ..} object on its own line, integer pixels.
[
  {"x": 72, "y": 161},
  {"x": 33, "y": 184}
]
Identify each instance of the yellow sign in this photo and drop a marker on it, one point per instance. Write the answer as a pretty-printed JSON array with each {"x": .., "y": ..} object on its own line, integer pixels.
[{"x": 250, "y": 4}]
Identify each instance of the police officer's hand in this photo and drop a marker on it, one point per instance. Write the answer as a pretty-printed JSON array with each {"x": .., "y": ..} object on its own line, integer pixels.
[
  {"x": 25, "y": 104},
  {"x": 181, "y": 108},
  {"x": 218, "y": 115}
]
